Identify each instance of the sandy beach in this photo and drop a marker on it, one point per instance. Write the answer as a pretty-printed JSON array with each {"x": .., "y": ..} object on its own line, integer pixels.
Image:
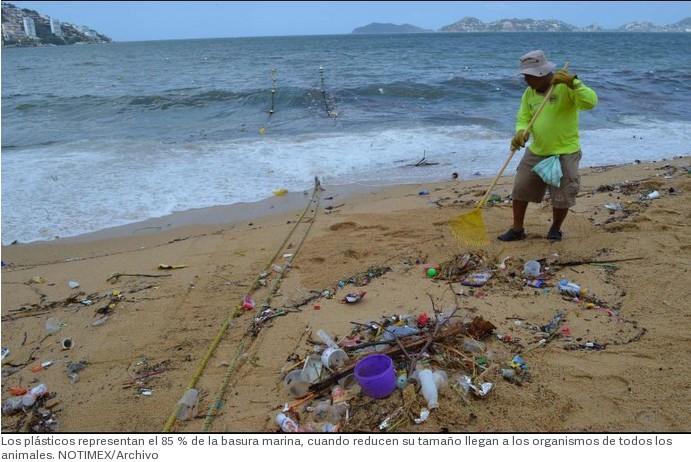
[{"x": 152, "y": 309}]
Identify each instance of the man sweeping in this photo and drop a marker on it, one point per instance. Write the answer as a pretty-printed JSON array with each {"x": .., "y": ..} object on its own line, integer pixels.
[{"x": 554, "y": 133}]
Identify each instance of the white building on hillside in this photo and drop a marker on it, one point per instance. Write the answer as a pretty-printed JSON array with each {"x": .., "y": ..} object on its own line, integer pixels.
[
  {"x": 29, "y": 27},
  {"x": 55, "y": 27}
]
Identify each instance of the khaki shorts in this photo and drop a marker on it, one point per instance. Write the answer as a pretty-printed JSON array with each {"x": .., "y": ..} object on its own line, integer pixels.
[{"x": 528, "y": 186}]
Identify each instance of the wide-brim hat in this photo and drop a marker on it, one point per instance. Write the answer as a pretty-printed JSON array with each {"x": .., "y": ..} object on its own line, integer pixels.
[{"x": 535, "y": 63}]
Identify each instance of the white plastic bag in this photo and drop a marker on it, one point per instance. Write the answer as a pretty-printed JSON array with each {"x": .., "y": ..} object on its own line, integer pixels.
[{"x": 549, "y": 170}]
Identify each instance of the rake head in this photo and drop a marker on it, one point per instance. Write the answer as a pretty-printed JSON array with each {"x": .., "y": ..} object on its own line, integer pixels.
[{"x": 469, "y": 229}]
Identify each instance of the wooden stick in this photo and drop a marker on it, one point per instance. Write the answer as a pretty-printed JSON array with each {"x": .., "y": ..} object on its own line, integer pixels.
[
  {"x": 587, "y": 262},
  {"x": 116, "y": 276}
]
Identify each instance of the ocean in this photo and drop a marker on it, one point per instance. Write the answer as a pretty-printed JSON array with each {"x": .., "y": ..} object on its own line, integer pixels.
[{"x": 98, "y": 136}]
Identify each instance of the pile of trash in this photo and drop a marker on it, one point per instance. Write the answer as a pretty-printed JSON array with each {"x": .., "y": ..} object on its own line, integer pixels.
[
  {"x": 387, "y": 374},
  {"x": 32, "y": 402},
  {"x": 412, "y": 354}
]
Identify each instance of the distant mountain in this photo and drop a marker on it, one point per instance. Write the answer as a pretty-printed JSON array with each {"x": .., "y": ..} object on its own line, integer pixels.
[
  {"x": 470, "y": 24},
  {"x": 682, "y": 26},
  {"x": 23, "y": 27},
  {"x": 379, "y": 28}
]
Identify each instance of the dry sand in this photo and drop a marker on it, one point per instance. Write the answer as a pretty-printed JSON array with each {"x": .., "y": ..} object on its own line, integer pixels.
[{"x": 177, "y": 328}]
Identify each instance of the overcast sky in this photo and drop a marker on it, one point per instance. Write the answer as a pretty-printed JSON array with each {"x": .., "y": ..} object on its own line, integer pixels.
[{"x": 141, "y": 20}]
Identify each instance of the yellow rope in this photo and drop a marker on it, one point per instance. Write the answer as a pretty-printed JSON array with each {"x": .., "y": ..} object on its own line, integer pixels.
[
  {"x": 255, "y": 284},
  {"x": 211, "y": 413}
]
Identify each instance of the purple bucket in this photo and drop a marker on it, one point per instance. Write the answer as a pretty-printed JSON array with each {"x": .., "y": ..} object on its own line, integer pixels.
[{"x": 376, "y": 376}]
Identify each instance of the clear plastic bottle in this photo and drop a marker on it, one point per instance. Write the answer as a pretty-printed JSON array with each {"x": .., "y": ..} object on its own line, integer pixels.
[
  {"x": 287, "y": 424},
  {"x": 12, "y": 405},
  {"x": 399, "y": 331},
  {"x": 38, "y": 390},
  {"x": 473, "y": 346},
  {"x": 429, "y": 388},
  {"x": 326, "y": 338},
  {"x": 28, "y": 400},
  {"x": 569, "y": 288}
]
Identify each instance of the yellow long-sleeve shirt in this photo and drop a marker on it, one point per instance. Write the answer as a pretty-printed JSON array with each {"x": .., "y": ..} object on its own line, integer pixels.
[{"x": 556, "y": 129}]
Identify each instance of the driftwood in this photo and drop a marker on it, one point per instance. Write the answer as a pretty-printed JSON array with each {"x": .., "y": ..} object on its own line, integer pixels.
[
  {"x": 450, "y": 331},
  {"x": 588, "y": 262},
  {"x": 115, "y": 276},
  {"x": 423, "y": 162}
]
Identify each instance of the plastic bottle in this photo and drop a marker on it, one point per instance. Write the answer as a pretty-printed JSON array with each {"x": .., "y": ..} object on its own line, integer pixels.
[
  {"x": 429, "y": 388},
  {"x": 554, "y": 322},
  {"x": 187, "y": 402},
  {"x": 339, "y": 407},
  {"x": 473, "y": 346},
  {"x": 28, "y": 400},
  {"x": 38, "y": 390},
  {"x": 287, "y": 424},
  {"x": 569, "y": 288},
  {"x": 478, "y": 279},
  {"x": 399, "y": 331},
  {"x": 12, "y": 405},
  {"x": 326, "y": 338}
]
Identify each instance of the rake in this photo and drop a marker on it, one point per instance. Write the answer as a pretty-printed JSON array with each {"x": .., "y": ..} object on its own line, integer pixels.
[{"x": 469, "y": 228}]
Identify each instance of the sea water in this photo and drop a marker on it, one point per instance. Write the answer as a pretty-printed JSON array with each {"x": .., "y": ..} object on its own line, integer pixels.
[{"x": 97, "y": 136}]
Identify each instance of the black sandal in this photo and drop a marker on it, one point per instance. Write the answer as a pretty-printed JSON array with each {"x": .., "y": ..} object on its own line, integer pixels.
[
  {"x": 512, "y": 235},
  {"x": 554, "y": 235}
]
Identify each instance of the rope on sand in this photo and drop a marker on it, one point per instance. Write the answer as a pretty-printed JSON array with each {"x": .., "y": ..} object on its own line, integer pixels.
[
  {"x": 172, "y": 419},
  {"x": 211, "y": 413}
]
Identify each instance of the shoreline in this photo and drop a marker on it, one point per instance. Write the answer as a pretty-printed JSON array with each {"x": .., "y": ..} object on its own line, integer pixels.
[
  {"x": 216, "y": 215},
  {"x": 239, "y": 212},
  {"x": 246, "y": 211}
]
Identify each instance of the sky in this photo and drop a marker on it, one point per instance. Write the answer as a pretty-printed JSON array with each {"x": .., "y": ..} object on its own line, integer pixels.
[{"x": 142, "y": 20}]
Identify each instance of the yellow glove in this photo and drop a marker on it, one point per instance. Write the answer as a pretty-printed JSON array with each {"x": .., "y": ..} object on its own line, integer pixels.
[
  {"x": 563, "y": 77},
  {"x": 519, "y": 140}
]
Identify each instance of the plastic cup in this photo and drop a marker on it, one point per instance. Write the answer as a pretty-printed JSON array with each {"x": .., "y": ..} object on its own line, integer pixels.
[
  {"x": 187, "y": 403},
  {"x": 296, "y": 384},
  {"x": 376, "y": 375},
  {"x": 52, "y": 326},
  {"x": 334, "y": 357},
  {"x": 312, "y": 370},
  {"x": 349, "y": 382}
]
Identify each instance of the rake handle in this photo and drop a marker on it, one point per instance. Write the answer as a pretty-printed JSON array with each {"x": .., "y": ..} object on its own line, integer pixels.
[{"x": 513, "y": 151}]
